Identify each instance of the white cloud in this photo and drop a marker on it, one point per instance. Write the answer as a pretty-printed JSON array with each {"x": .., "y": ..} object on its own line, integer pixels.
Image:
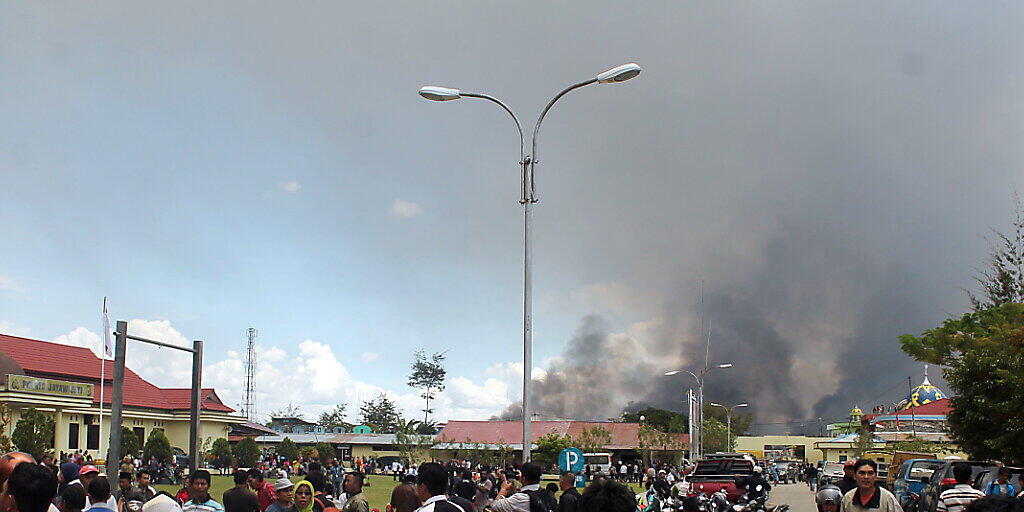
[
  {"x": 308, "y": 374},
  {"x": 405, "y": 209},
  {"x": 13, "y": 330},
  {"x": 9, "y": 284},
  {"x": 291, "y": 187}
]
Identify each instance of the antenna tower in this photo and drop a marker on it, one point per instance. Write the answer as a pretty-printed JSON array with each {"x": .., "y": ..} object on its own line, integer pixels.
[{"x": 249, "y": 399}]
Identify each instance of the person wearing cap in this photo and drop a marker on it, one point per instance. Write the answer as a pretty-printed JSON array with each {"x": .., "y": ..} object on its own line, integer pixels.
[
  {"x": 162, "y": 502},
  {"x": 848, "y": 483},
  {"x": 283, "y": 496},
  {"x": 86, "y": 476},
  {"x": 199, "y": 491}
]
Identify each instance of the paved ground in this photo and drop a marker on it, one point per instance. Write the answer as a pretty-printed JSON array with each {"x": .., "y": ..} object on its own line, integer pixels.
[{"x": 797, "y": 496}]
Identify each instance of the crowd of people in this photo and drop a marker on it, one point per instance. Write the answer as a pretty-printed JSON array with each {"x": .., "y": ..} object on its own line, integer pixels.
[
  {"x": 859, "y": 491},
  {"x": 30, "y": 486}
]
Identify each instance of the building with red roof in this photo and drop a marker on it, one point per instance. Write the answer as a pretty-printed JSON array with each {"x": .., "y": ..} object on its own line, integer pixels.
[{"x": 64, "y": 381}]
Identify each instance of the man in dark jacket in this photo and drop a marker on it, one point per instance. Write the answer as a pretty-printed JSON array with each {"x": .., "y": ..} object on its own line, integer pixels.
[
  {"x": 751, "y": 482},
  {"x": 569, "y": 501},
  {"x": 848, "y": 483}
]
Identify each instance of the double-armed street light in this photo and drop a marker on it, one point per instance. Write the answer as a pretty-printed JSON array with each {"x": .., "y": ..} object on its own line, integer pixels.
[
  {"x": 700, "y": 400},
  {"x": 728, "y": 421},
  {"x": 528, "y": 196}
]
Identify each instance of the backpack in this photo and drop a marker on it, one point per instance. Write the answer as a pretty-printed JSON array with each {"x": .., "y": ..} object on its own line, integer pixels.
[{"x": 541, "y": 501}]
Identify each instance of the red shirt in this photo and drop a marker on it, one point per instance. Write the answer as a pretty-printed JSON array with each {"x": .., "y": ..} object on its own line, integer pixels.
[{"x": 266, "y": 495}]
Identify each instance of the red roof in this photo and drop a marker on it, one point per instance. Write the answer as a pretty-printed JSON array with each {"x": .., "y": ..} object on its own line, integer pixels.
[
  {"x": 55, "y": 361},
  {"x": 624, "y": 435},
  {"x": 938, "y": 407}
]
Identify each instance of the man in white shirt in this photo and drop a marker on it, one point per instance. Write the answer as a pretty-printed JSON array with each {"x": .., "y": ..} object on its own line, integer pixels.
[{"x": 431, "y": 484}]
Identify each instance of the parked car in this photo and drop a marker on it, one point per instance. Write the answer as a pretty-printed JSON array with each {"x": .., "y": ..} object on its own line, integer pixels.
[
  {"x": 991, "y": 474},
  {"x": 180, "y": 457},
  {"x": 831, "y": 472},
  {"x": 942, "y": 479},
  {"x": 712, "y": 475},
  {"x": 911, "y": 478}
]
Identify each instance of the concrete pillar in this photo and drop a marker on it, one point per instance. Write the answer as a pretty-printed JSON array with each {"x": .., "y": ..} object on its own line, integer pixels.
[{"x": 60, "y": 433}]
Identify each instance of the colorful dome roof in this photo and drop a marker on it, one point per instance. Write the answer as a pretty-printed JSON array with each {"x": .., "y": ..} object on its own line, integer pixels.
[{"x": 925, "y": 393}]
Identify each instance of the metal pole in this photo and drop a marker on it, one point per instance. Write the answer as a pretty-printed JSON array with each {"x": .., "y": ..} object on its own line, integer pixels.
[
  {"x": 728, "y": 430},
  {"x": 527, "y": 329},
  {"x": 700, "y": 429},
  {"x": 193, "y": 428},
  {"x": 117, "y": 402}
]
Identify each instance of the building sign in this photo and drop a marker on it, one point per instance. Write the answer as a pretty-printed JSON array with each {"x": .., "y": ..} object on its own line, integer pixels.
[{"x": 49, "y": 387}]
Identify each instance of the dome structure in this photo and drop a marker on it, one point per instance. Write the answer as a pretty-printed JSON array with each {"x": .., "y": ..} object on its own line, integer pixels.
[{"x": 924, "y": 393}]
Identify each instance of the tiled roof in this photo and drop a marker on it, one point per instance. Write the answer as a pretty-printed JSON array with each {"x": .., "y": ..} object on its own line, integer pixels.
[
  {"x": 77, "y": 364},
  {"x": 624, "y": 435}
]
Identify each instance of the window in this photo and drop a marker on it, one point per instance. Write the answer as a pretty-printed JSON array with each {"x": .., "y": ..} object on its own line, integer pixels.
[
  {"x": 92, "y": 437},
  {"x": 141, "y": 434},
  {"x": 73, "y": 436}
]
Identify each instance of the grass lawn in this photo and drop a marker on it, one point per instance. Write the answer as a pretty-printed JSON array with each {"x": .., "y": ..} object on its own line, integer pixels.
[{"x": 378, "y": 493}]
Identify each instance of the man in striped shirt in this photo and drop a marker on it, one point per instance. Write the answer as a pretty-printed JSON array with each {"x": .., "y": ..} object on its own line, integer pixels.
[
  {"x": 962, "y": 494},
  {"x": 199, "y": 490}
]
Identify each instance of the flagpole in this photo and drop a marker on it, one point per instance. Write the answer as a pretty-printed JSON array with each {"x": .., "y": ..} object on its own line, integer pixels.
[{"x": 103, "y": 370}]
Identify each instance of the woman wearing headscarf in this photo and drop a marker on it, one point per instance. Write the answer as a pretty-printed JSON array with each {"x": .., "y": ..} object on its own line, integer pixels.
[
  {"x": 68, "y": 473},
  {"x": 302, "y": 496}
]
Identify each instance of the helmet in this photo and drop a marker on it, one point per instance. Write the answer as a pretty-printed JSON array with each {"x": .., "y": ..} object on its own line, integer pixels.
[
  {"x": 758, "y": 469},
  {"x": 829, "y": 494}
]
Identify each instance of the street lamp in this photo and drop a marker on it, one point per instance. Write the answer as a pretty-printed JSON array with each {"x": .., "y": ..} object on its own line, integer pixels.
[
  {"x": 728, "y": 421},
  {"x": 700, "y": 400},
  {"x": 528, "y": 196}
]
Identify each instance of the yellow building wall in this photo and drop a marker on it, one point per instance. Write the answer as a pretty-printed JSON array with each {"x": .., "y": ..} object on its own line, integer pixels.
[
  {"x": 366, "y": 451},
  {"x": 754, "y": 444}
]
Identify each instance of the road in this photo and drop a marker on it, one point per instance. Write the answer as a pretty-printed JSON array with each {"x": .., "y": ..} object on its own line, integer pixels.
[{"x": 797, "y": 496}]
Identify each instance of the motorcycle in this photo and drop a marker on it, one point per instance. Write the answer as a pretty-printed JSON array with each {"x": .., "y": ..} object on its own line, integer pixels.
[{"x": 756, "y": 503}]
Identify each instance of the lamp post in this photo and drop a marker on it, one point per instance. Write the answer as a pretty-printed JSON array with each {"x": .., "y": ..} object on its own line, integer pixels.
[
  {"x": 700, "y": 399},
  {"x": 728, "y": 421},
  {"x": 527, "y": 197}
]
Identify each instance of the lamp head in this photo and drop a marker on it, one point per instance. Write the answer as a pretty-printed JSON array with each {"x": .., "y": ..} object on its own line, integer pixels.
[
  {"x": 715, "y": 404},
  {"x": 741, "y": 405},
  {"x": 434, "y": 93},
  {"x": 671, "y": 373},
  {"x": 619, "y": 74},
  {"x": 726, "y": 365}
]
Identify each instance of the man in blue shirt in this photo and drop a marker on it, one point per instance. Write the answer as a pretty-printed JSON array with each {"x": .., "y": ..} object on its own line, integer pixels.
[{"x": 99, "y": 494}]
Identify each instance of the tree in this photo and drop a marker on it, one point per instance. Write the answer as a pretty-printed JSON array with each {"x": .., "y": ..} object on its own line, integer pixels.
[
  {"x": 33, "y": 434},
  {"x": 287, "y": 449},
  {"x": 289, "y": 411},
  {"x": 428, "y": 429},
  {"x": 1003, "y": 281},
  {"x": 246, "y": 452},
  {"x": 983, "y": 356},
  {"x": 334, "y": 418},
  {"x": 220, "y": 453},
  {"x": 129, "y": 442},
  {"x": 740, "y": 421},
  {"x": 593, "y": 439},
  {"x": 309, "y": 452},
  {"x": 714, "y": 436},
  {"x": 325, "y": 451},
  {"x": 427, "y": 375},
  {"x": 659, "y": 419},
  {"x": 158, "y": 446},
  {"x": 381, "y": 414},
  {"x": 548, "y": 448},
  {"x": 5, "y": 422}
]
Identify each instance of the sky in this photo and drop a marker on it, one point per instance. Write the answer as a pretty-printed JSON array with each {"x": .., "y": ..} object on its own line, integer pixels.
[{"x": 829, "y": 171}]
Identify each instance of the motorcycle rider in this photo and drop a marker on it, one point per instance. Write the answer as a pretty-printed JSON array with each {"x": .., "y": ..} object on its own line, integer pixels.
[
  {"x": 751, "y": 482},
  {"x": 829, "y": 498}
]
